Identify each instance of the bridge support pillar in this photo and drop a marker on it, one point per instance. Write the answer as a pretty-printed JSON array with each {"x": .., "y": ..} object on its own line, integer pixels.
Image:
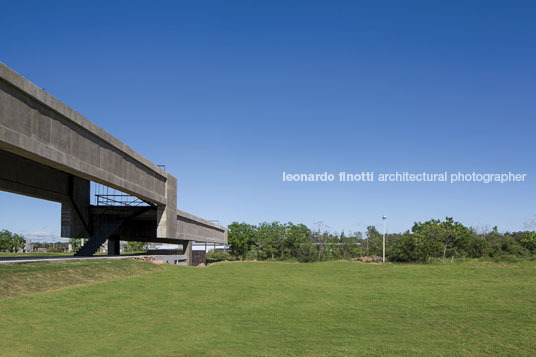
[
  {"x": 75, "y": 209},
  {"x": 166, "y": 215},
  {"x": 187, "y": 246},
  {"x": 114, "y": 246}
]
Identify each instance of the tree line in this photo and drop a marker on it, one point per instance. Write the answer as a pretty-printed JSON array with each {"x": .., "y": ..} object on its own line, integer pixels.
[
  {"x": 11, "y": 242},
  {"x": 433, "y": 239}
]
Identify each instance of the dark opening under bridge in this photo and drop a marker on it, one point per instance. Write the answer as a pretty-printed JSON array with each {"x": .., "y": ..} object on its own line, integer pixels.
[{"x": 49, "y": 151}]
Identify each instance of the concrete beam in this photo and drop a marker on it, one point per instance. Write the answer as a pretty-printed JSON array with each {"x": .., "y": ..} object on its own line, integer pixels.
[
  {"x": 26, "y": 177},
  {"x": 190, "y": 227},
  {"x": 29, "y": 178},
  {"x": 38, "y": 127}
]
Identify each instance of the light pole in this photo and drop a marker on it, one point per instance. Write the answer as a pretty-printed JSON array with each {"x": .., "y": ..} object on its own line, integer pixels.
[{"x": 383, "y": 257}]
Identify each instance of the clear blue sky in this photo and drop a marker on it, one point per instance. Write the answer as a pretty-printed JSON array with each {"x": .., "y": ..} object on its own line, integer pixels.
[{"x": 229, "y": 94}]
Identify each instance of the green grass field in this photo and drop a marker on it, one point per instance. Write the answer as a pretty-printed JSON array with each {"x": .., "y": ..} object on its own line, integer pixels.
[{"x": 330, "y": 308}]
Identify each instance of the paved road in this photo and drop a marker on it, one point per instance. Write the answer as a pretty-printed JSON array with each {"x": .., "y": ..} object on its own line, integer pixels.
[{"x": 34, "y": 259}]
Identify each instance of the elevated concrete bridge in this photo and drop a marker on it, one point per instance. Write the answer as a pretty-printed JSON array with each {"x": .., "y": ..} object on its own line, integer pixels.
[{"x": 49, "y": 151}]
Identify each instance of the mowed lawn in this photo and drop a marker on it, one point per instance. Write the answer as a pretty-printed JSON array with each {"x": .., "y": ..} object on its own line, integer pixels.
[{"x": 234, "y": 309}]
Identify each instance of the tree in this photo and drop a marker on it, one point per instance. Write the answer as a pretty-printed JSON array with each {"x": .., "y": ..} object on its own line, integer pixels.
[
  {"x": 320, "y": 237},
  {"x": 307, "y": 252},
  {"x": 478, "y": 246},
  {"x": 5, "y": 240},
  {"x": 76, "y": 243},
  {"x": 436, "y": 237},
  {"x": 349, "y": 246},
  {"x": 296, "y": 235},
  {"x": 528, "y": 241},
  {"x": 374, "y": 241},
  {"x": 506, "y": 244},
  {"x": 270, "y": 240},
  {"x": 241, "y": 236},
  {"x": 18, "y": 242},
  {"x": 402, "y": 248},
  {"x": 134, "y": 246},
  {"x": 11, "y": 241}
]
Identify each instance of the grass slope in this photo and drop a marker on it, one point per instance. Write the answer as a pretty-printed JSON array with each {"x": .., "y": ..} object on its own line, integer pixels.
[
  {"x": 24, "y": 279},
  {"x": 331, "y": 308}
]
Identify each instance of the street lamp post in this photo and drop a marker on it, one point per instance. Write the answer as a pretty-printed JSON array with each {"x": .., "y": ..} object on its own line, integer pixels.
[{"x": 383, "y": 257}]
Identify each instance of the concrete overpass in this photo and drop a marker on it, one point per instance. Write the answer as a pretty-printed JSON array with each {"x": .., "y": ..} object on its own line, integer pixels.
[{"x": 49, "y": 151}]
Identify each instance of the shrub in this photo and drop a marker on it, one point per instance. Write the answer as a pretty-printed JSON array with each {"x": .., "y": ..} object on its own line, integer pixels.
[
  {"x": 307, "y": 252},
  {"x": 218, "y": 256}
]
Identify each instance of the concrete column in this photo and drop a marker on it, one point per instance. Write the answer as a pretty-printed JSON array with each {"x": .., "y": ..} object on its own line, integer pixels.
[
  {"x": 166, "y": 215},
  {"x": 114, "y": 246},
  {"x": 187, "y": 245},
  {"x": 75, "y": 209}
]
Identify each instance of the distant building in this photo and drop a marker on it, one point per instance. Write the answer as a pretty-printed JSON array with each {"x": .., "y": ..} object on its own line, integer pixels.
[{"x": 28, "y": 246}]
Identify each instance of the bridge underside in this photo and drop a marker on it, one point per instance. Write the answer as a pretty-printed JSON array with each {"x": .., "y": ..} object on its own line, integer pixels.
[
  {"x": 79, "y": 219},
  {"x": 140, "y": 225}
]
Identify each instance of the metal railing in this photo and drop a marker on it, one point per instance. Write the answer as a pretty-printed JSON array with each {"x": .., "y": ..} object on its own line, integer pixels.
[{"x": 106, "y": 196}]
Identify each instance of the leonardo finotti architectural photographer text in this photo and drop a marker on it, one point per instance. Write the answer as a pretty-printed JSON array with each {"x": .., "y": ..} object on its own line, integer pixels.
[{"x": 370, "y": 176}]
